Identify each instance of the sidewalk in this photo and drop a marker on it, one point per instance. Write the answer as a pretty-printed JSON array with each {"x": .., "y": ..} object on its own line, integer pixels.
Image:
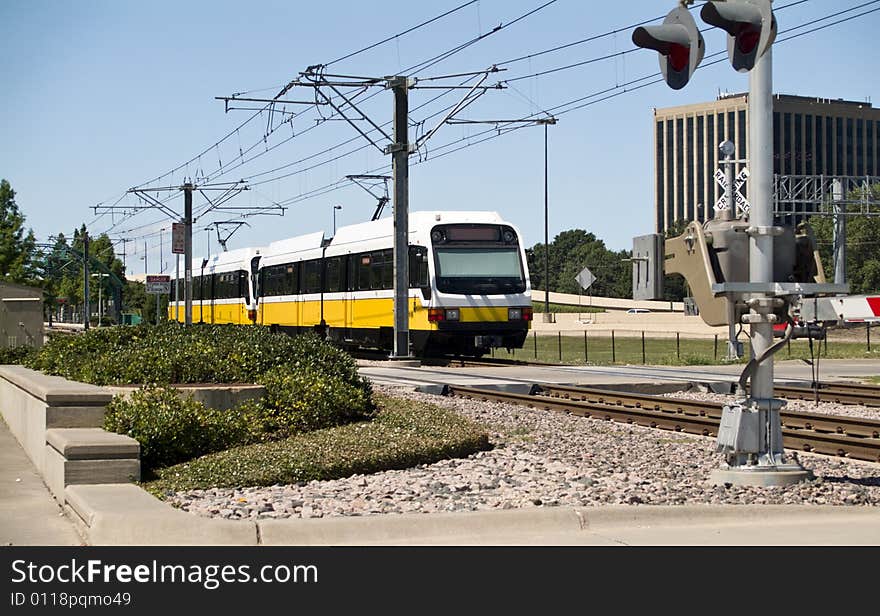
[{"x": 28, "y": 513}]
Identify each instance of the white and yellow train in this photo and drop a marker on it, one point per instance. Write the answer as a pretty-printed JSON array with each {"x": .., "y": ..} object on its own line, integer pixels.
[{"x": 469, "y": 285}]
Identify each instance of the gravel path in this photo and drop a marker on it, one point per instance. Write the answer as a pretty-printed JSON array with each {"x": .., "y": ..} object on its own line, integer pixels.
[{"x": 542, "y": 459}]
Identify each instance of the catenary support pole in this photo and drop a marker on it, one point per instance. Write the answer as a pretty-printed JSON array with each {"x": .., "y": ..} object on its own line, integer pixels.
[
  {"x": 187, "y": 252},
  {"x": 399, "y": 151}
]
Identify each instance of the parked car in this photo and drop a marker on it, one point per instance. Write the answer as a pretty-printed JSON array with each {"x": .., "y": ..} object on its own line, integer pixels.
[{"x": 637, "y": 310}]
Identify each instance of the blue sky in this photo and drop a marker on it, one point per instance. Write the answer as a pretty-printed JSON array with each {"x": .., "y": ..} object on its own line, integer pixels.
[{"x": 100, "y": 96}]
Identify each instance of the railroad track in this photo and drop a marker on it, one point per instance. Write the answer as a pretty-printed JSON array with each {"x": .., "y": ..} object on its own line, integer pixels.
[
  {"x": 843, "y": 393},
  {"x": 833, "y": 435}
]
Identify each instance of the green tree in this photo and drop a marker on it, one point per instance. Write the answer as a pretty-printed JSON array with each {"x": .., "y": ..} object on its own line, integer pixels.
[
  {"x": 136, "y": 298},
  {"x": 569, "y": 253},
  {"x": 17, "y": 248},
  {"x": 862, "y": 247},
  {"x": 62, "y": 270}
]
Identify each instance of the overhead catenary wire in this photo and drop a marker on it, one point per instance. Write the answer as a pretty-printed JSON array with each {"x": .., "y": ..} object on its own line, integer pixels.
[
  {"x": 425, "y": 64},
  {"x": 567, "y": 107}
]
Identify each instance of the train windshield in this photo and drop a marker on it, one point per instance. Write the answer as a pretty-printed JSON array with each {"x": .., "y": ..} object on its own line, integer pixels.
[{"x": 480, "y": 270}]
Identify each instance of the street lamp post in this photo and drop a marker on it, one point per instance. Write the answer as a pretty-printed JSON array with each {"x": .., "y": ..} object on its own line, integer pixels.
[
  {"x": 100, "y": 296},
  {"x": 335, "y": 207},
  {"x": 548, "y": 316}
]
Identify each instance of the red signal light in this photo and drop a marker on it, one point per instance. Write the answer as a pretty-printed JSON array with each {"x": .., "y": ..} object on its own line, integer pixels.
[
  {"x": 748, "y": 39},
  {"x": 679, "y": 56}
]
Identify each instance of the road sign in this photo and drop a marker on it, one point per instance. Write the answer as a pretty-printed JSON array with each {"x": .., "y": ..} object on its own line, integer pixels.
[
  {"x": 178, "y": 238},
  {"x": 158, "y": 285},
  {"x": 585, "y": 278}
]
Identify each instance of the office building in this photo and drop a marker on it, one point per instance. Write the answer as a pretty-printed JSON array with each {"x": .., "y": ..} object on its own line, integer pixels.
[{"x": 811, "y": 136}]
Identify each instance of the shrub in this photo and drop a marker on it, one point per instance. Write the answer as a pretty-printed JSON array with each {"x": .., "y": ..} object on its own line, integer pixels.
[
  {"x": 303, "y": 400},
  {"x": 16, "y": 355},
  {"x": 402, "y": 434},
  {"x": 201, "y": 353},
  {"x": 172, "y": 428}
]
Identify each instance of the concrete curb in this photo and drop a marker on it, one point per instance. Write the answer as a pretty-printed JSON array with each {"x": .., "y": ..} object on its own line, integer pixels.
[{"x": 124, "y": 514}]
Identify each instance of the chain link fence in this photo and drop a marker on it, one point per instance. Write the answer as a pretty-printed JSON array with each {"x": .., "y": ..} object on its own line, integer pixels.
[{"x": 598, "y": 347}]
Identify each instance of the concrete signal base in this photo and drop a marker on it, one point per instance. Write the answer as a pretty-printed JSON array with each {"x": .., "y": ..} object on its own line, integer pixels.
[{"x": 763, "y": 476}]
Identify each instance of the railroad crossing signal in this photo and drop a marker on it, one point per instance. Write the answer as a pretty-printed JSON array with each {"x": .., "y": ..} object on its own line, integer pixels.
[
  {"x": 679, "y": 43},
  {"x": 750, "y": 27}
]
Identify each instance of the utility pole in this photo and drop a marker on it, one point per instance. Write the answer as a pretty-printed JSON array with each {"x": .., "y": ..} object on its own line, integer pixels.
[
  {"x": 87, "y": 309},
  {"x": 399, "y": 151}
]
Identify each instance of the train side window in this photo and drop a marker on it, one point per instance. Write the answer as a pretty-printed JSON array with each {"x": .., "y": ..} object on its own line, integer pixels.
[
  {"x": 382, "y": 270},
  {"x": 363, "y": 271},
  {"x": 333, "y": 275},
  {"x": 311, "y": 281},
  {"x": 290, "y": 279}
]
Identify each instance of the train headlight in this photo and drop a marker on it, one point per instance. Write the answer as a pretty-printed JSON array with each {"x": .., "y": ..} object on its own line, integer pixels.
[
  {"x": 509, "y": 237},
  {"x": 436, "y": 236},
  {"x": 453, "y": 314}
]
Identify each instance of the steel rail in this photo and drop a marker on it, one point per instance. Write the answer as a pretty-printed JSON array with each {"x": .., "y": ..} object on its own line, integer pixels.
[
  {"x": 858, "y": 427},
  {"x": 840, "y": 393}
]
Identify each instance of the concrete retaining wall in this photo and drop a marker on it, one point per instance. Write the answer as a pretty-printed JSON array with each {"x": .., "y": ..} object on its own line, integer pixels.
[
  {"x": 221, "y": 397},
  {"x": 58, "y": 424}
]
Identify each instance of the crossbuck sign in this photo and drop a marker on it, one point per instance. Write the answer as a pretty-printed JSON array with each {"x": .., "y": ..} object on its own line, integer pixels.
[{"x": 742, "y": 204}]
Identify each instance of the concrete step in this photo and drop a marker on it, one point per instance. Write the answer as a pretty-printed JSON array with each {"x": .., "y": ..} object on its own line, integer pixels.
[
  {"x": 89, "y": 456},
  {"x": 92, "y": 444}
]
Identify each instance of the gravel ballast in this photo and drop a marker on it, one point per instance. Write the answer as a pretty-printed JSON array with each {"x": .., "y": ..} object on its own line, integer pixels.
[{"x": 545, "y": 459}]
